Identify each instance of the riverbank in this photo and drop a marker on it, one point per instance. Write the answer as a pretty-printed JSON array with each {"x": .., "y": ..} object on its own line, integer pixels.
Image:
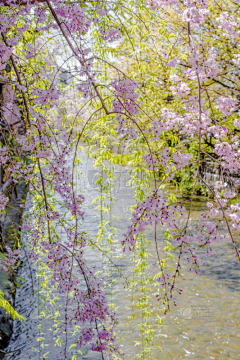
[{"x": 10, "y": 223}]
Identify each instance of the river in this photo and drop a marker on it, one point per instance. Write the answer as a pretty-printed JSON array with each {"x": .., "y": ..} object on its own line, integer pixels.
[{"x": 204, "y": 325}]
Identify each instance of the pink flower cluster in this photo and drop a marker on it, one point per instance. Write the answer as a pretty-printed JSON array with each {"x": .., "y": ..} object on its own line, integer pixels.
[
  {"x": 154, "y": 209},
  {"x": 126, "y": 96},
  {"x": 3, "y": 201},
  {"x": 9, "y": 261}
]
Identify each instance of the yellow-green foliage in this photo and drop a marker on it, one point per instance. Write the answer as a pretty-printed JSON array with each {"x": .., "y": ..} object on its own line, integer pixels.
[{"x": 9, "y": 309}]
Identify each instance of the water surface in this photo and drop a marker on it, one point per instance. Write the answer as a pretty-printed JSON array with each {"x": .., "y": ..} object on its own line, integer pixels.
[{"x": 204, "y": 325}]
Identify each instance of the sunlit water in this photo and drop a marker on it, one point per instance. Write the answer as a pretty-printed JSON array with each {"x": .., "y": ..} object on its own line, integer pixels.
[{"x": 204, "y": 325}]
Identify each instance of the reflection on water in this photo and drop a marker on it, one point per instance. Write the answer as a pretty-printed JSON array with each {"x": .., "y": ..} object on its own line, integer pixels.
[
  {"x": 206, "y": 322},
  {"x": 204, "y": 325}
]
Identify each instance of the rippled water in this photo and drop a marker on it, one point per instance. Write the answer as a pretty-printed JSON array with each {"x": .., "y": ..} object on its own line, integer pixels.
[{"x": 204, "y": 325}]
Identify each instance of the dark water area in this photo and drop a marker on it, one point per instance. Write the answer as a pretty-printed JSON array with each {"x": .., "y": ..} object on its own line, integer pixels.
[{"x": 205, "y": 324}]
